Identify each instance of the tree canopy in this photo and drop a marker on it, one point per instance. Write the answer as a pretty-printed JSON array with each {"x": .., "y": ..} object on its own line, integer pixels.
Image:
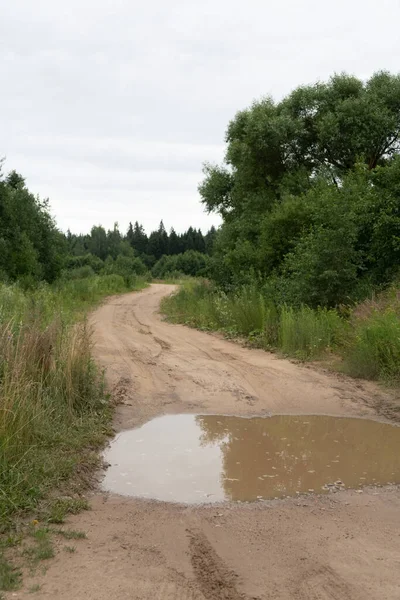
[
  {"x": 31, "y": 247},
  {"x": 308, "y": 187}
]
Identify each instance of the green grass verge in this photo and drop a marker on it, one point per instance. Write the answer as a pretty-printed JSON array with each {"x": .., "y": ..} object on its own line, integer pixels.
[
  {"x": 367, "y": 340},
  {"x": 55, "y": 413}
]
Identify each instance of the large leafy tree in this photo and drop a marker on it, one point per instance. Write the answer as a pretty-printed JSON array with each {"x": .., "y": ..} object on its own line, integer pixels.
[
  {"x": 97, "y": 242},
  {"x": 273, "y": 148},
  {"x": 31, "y": 247},
  {"x": 114, "y": 240},
  {"x": 309, "y": 190}
]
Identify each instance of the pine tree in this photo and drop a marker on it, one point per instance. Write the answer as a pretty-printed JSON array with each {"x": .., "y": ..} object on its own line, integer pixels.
[
  {"x": 129, "y": 234},
  {"x": 164, "y": 241},
  {"x": 174, "y": 244},
  {"x": 199, "y": 241},
  {"x": 209, "y": 240},
  {"x": 190, "y": 239},
  {"x": 139, "y": 239}
]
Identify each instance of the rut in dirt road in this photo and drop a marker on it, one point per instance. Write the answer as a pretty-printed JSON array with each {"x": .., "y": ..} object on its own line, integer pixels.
[{"x": 215, "y": 580}]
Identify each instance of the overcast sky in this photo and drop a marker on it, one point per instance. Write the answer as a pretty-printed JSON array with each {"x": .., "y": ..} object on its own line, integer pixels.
[{"x": 110, "y": 107}]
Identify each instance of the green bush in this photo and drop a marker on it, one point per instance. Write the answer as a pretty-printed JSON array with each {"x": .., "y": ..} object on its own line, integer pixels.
[
  {"x": 80, "y": 272},
  {"x": 164, "y": 267},
  {"x": 192, "y": 263},
  {"x": 127, "y": 267},
  {"x": 85, "y": 260}
]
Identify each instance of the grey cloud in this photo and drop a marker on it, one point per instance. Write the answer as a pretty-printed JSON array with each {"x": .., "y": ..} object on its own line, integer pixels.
[
  {"x": 110, "y": 107},
  {"x": 122, "y": 153}
]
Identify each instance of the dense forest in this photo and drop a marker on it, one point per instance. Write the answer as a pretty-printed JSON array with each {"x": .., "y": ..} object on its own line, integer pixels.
[{"x": 33, "y": 249}]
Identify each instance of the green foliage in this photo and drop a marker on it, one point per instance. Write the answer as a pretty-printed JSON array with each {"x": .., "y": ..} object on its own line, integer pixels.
[
  {"x": 174, "y": 243},
  {"x": 108, "y": 251},
  {"x": 158, "y": 242},
  {"x": 84, "y": 260},
  {"x": 189, "y": 263},
  {"x": 192, "y": 263},
  {"x": 236, "y": 258},
  {"x": 281, "y": 229},
  {"x": 42, "y": 547},
  {"x": 10, "y": 576},
  {"x": 128, "y": 267},
  {"x": 137, "y": 238},
  {"x": 373, "y": 351},
  {"x": 97, "y": 242},
  {"x": 323, "y": 267},
  {"x": 307, "y": 333},
  {"x": 81, "y": 272},
  {"x": 378, "y": 216},
  {"x": 345, "y": 119},
  {"x": 164, "y": 267},
  {"x": 310, "y": 192},
  {"x": 31, "y": 247},
  {"x": 61, "y": 507},
  {"x": 216, "y": 188}
]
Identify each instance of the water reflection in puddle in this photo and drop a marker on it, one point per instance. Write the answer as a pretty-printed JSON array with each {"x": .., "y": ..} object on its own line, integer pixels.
[{"x": 195, "y": 458}]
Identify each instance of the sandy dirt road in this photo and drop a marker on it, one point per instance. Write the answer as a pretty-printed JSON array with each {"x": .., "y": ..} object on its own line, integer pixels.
[{"x": 344, "y": 546}]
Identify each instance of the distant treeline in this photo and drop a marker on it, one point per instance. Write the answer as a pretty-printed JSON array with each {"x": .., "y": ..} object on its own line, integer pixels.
[
  {"x": 150, "y": 249},
  {"x": 161, "y": 253},
  {"x": 33, "y": 249}
]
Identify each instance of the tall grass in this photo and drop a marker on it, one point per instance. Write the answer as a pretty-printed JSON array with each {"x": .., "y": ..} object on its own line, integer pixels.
[
  {"x": 307, "y": 333},
  {"x": 246, "y": 312},
  {"x": 367, "y": 340},
  {"x": 52, "y": 401},
  {"x": 301, "y": 332},
  {"x": 373, "y": 350}
]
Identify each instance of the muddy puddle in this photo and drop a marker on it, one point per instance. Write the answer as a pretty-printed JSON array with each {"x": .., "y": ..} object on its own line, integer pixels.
[{"x": 196, "y": 459}]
